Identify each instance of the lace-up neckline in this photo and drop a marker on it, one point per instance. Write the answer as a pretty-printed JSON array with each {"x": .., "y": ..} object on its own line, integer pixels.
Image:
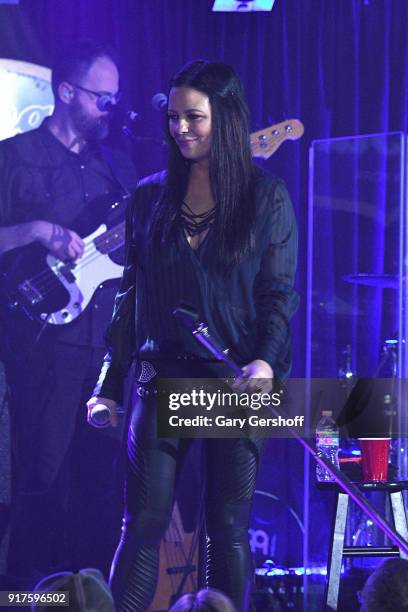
[{"x": 194, "y": 223}]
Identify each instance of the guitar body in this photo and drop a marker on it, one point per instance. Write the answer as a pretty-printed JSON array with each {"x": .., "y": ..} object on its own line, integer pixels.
[{"x": 51, "y": 290}]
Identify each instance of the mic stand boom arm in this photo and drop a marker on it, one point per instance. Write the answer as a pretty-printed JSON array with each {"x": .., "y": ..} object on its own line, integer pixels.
[{"x": 202, "y": 335}]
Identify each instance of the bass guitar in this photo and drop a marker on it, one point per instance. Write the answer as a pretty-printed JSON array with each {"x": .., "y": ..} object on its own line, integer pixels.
[{"x": 56, "y": 292}]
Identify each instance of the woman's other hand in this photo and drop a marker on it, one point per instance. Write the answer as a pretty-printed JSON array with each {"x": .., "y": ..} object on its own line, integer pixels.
[{"x": 257, "y": 377}]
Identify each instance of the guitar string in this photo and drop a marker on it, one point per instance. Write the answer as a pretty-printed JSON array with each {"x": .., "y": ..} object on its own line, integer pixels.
[
  {"x": 46, "y": 279},
  {"x": 54, "y": 280},
  {"x": 83, "y": 262},
  {"x": 45, "y": 272},
  {"x": 86, "y": 259},
  {"x": 253, "y": 144},
  {"x": 279, "y": 136}
]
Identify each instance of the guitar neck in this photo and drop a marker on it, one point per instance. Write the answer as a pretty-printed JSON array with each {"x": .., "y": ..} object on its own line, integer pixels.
[
  {"x": 263, "y": 144},
  {"x": 111, "y": 240}
]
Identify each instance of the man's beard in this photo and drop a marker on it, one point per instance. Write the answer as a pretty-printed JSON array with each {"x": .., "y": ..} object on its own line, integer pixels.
[{"x": 90, "y": 128}]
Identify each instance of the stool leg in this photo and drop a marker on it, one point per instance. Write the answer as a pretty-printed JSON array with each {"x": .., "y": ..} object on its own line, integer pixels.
[
  {"x": 400, "y": 518},
  {"x": 336, "y": 552}
]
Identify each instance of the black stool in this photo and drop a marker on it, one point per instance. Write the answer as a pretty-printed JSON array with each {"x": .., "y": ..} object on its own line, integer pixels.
[{"x": 337, "y": 549}]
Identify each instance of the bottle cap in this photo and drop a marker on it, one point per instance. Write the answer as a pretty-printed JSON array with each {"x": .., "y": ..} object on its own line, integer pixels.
[{"x": 327, "y": 413}]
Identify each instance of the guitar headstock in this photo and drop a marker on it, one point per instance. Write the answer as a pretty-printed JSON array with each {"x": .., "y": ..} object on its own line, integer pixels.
[{"x": 265, "y": 142}]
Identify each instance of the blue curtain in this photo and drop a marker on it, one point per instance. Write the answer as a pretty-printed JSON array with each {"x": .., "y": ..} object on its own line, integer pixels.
[{"x": 341, "y": 67}]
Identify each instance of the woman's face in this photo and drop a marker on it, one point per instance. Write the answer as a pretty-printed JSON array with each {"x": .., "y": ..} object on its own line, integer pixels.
[{"x": 189, "y": 112}]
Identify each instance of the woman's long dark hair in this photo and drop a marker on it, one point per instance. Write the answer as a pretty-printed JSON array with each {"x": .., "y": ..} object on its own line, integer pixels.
[{"x": 231, "y": 169}]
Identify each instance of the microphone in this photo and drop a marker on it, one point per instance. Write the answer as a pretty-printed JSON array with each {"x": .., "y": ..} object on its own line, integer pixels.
[
  {"x": 104, "y": 104},
  {"x": 100, "y": 415},
  {"x": 159, "y": 101},
  {"x": 189, "y": 318}
]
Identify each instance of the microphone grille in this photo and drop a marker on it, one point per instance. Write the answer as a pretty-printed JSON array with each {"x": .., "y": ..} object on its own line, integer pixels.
[
  {"x": 104, "y": 103},
  {"x": 159, "y": 100}
]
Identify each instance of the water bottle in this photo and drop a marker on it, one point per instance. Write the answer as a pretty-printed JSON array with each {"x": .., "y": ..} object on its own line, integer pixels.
[{"x": 327, "y": 444}]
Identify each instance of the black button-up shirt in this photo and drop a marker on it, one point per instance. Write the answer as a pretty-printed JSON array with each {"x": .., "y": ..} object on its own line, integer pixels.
[{"x": 41, "y": 179}]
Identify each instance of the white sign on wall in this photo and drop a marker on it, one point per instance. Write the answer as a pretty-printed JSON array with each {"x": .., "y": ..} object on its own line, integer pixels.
[{"x": 26, "y": 96}]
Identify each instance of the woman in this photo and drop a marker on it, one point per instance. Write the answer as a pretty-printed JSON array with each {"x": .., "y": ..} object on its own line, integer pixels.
[{"x": 217, "y": 233}]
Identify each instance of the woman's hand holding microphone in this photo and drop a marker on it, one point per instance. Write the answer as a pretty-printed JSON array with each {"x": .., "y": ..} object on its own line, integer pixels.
[
  {"x": 102, "y": 412},
  {"x": 257, "y": 378}
]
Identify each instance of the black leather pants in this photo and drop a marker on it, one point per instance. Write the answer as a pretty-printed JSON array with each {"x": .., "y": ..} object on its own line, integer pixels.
[{"x": 153, "y": 467}]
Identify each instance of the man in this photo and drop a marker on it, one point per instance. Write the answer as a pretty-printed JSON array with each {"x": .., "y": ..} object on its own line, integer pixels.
[
  {"x": 58, "y": 184},
  {"x": 386, "y": 588}
]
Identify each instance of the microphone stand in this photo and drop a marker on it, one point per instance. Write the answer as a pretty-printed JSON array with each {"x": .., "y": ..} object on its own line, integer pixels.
[{"x": 201, "y": 333}]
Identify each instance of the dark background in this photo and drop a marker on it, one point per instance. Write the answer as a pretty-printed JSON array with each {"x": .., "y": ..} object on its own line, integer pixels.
[{"x": 341, "y": 66}]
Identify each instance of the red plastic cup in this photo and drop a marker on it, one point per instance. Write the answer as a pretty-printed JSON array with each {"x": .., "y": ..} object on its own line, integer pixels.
[{"x": 374, "y": 458}]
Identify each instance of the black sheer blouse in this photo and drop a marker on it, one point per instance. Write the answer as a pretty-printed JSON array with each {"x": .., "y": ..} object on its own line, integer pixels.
[{"x": 248, "y": 310}]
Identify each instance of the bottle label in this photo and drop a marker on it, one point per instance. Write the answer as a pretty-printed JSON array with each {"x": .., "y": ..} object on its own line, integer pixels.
[{"x": 327, "y": 441}]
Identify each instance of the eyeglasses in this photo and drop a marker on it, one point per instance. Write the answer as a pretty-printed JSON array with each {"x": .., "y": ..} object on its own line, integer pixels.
[{"x": 114, "y": 98}]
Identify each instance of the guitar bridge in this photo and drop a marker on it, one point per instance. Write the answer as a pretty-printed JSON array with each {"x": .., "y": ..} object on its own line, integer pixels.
[{"x": 30, "y": 293}]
